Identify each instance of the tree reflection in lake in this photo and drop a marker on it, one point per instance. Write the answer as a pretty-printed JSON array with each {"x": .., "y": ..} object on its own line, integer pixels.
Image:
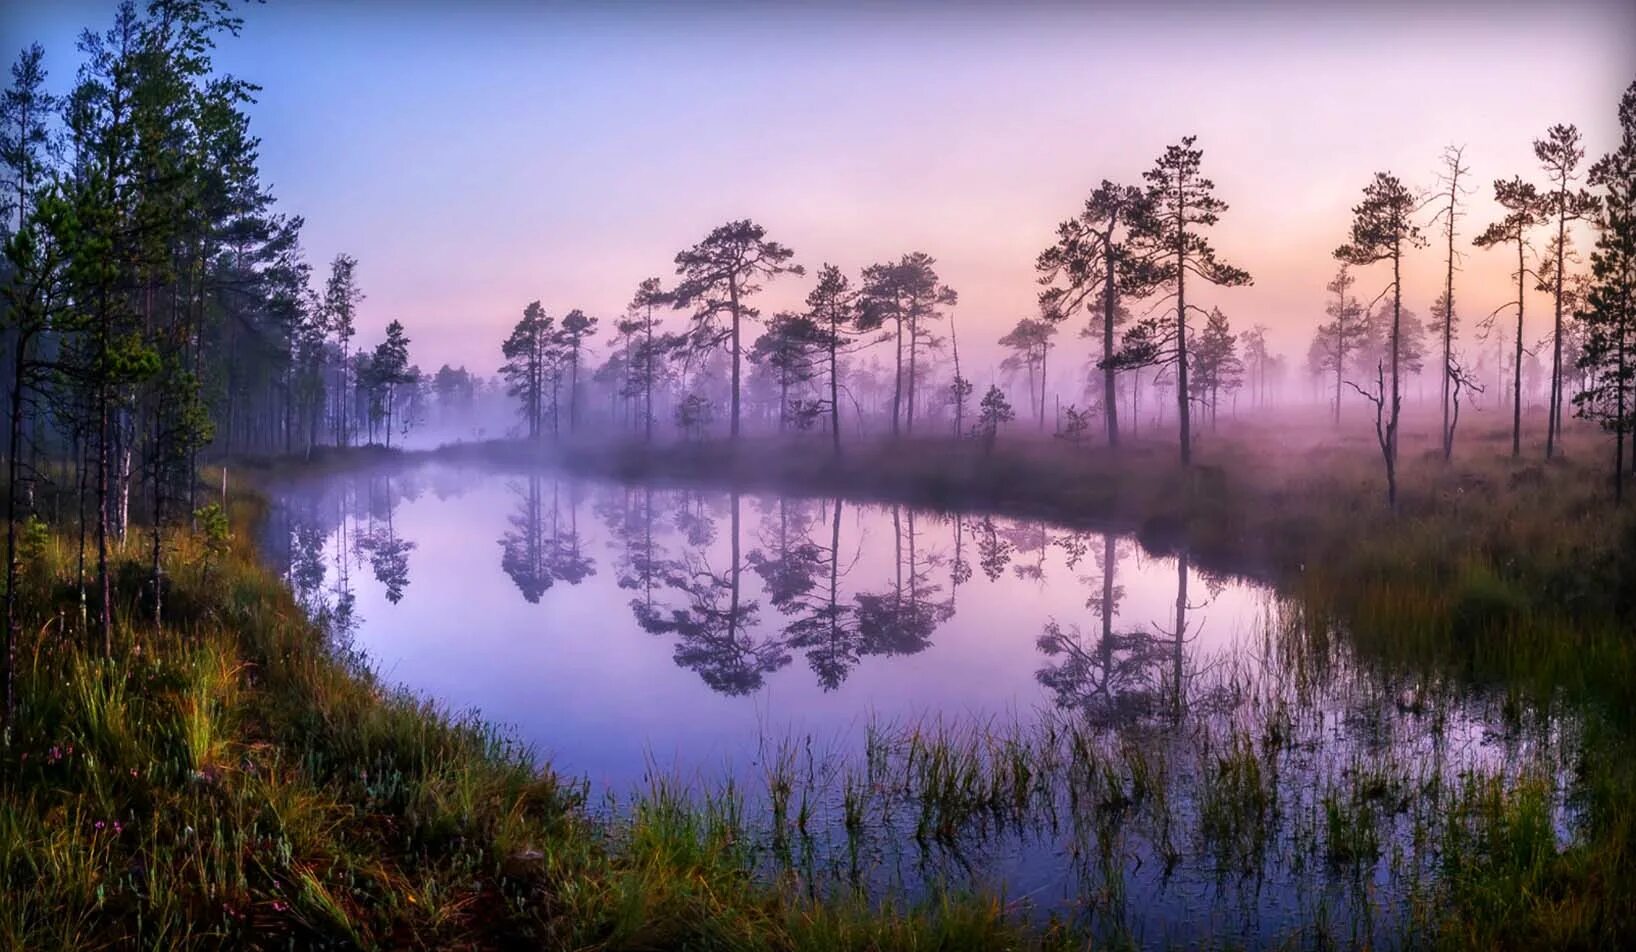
[
  {"x": 541, "y": 548},
  {"x": 825, "y": 626},
  {"x": 901, "y": 619},
  {"x": 388, "y": 554},
  {"x": 715, "y": 625},
  {"x": 1115, "y": 679},
  {"x": 1135, "y": 747}
]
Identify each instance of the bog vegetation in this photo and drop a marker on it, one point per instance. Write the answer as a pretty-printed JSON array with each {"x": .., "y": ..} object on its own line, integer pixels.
[{"x": 189, "y": 761}]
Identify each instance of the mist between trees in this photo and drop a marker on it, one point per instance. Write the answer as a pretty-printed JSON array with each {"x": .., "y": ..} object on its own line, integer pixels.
[{"x": 160, "y": 309}]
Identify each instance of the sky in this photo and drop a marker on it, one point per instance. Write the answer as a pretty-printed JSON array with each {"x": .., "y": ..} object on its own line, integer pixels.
[{"x": 478, "y": 156}]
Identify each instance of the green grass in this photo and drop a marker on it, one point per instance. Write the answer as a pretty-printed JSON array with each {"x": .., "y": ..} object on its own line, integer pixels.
[{"x": 231, "y": 781}]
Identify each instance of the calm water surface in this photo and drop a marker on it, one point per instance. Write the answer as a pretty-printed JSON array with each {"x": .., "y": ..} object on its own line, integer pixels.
[{"x": 905, "y": 697}]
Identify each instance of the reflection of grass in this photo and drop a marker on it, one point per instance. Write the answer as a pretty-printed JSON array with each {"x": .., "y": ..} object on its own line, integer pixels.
[{"x": 1234, "y": 804}]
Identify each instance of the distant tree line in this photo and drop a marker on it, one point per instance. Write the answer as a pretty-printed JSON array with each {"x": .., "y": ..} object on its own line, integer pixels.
[{"x": 1133, "y": 263}]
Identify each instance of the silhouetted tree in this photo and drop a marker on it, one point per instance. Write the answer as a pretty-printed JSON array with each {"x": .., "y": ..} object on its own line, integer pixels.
[
  {"x": 1338, "y": 339},
  {"x": 788, "y": 349},
  {"x": 389, "y": 369},
  {"x": 1029, "y": 343},
  {"x": 649, "y": 351},
  {"x": 1217, "y": 364},
  {"x": 908, "y": 293},
  {"x": 576, "y": 329},
  {"x": 1524, "y": 211},
  {"x": 833, "y": 308},
  {"x": 1181, "y": 201},
  {"x": 1094, "y": 256},
  {"x": 1609, "y": 309},
  {"x": 1450, "y": 192},
  {"x": 960, "y": 388},
  {"x": 1382, "y": 229},
  {"x": 341, "y": 299},
  {"x": 528, "y": 354},
  {"x": 1258, "y": 361},
  {"x": 1560, "y": 153},
  {"x": 994, "y": 411},
  {"x": 718, "y": 276}
]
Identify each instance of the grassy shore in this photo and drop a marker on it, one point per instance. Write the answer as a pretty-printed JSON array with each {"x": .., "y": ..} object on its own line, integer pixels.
[{"x": 232, "y": 780}]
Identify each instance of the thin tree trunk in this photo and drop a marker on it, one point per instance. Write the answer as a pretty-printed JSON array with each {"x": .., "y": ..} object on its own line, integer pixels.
[
  {"x": 13, "y": 448},
  {"x": 732, "y": 292},
  {"x": 897, "y": 380},
  {"x": 1516, "y": 382},
  {"x": 1110, "y": 393},
  {"x": 1553, "y": 421},
  {"x": 1397, "y": 322}
]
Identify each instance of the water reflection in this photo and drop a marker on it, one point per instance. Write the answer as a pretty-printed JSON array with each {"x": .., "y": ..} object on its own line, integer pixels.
[
  {"x": 541, "y": 548},
  {"x": 1114, "y": 677},
  {"x": 1115, "y": 734},
  {"x": 836, "y": 591}
]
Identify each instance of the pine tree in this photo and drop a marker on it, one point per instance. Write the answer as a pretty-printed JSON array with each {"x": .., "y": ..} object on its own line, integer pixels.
[
  {"x": 1609, "y": 309},
  {"x": 909, "y": 293},
  {"x": 718, "y": 277},
  {"x": 1181, "y": 202},
  {"x": 341, "y": 298},
  {"x": 832, "y": 305},
  {"x": 1559, "y": 153},
  {"x": 1383, "y": 230},
  {"x": 1523, "y": 211},
  {"x": 1450, "y": 192},
  {"x": 576, "y": 329},
  {"x": 527, "y": 351},
  {"x": 1094, "y": 260},
  {"x": 390, "y": 367}
]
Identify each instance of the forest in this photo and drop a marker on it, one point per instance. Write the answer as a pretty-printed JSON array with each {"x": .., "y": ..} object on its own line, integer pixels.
[{"x": 1421, "y": 527}]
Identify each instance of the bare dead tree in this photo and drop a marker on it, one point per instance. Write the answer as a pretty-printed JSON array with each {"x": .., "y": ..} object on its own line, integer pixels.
[
  {"x": 1459, "y": 379},
  {"x": 1385, "y": 433},
  {"x": 1447, "y": 198}
]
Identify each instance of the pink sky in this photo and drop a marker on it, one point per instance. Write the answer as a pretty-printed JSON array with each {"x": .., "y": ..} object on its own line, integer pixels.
[{"x": 476, "y": 159}]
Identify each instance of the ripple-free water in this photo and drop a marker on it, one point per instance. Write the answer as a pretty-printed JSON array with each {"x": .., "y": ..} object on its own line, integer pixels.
[{"x": 1091, "y": 730}]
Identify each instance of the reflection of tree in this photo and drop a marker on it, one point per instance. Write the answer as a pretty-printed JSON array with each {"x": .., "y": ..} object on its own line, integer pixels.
[
  {"x": 569, "y": 563},
  {"x": 1178, "y": 680},
  {"x": 826, "y": 627},
  {"x": 959, "y": 568},
  {"x": 697, "y": 528},
  {"x": 789, "y": 561},
  {"x": 523, "y": 548},
  {"x": 638, "y": 563},
  {"x": 1116, "y": 679},
  {"x": 540, "y": 549},
  {"x": 901, "y": 619},
  {"x": 1033, "y": 538},
  {"x": 993, "y": 551},
  {"x": 713, "y": 627},
  {"x": 387, "y": 553},
  {"x": 306, "y": 559}
]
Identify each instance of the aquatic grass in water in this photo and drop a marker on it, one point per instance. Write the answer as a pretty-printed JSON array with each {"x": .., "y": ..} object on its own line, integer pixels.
[{"x": 1502, "y": 813}]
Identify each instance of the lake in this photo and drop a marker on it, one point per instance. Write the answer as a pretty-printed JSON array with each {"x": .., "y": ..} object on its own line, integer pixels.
[{"x": 892, "y": 699}]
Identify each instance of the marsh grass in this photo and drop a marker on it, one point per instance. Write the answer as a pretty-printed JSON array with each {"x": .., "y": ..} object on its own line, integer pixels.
[
  {"x": 237, "y": 780},
  {"x": 233, "y": 781}
]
